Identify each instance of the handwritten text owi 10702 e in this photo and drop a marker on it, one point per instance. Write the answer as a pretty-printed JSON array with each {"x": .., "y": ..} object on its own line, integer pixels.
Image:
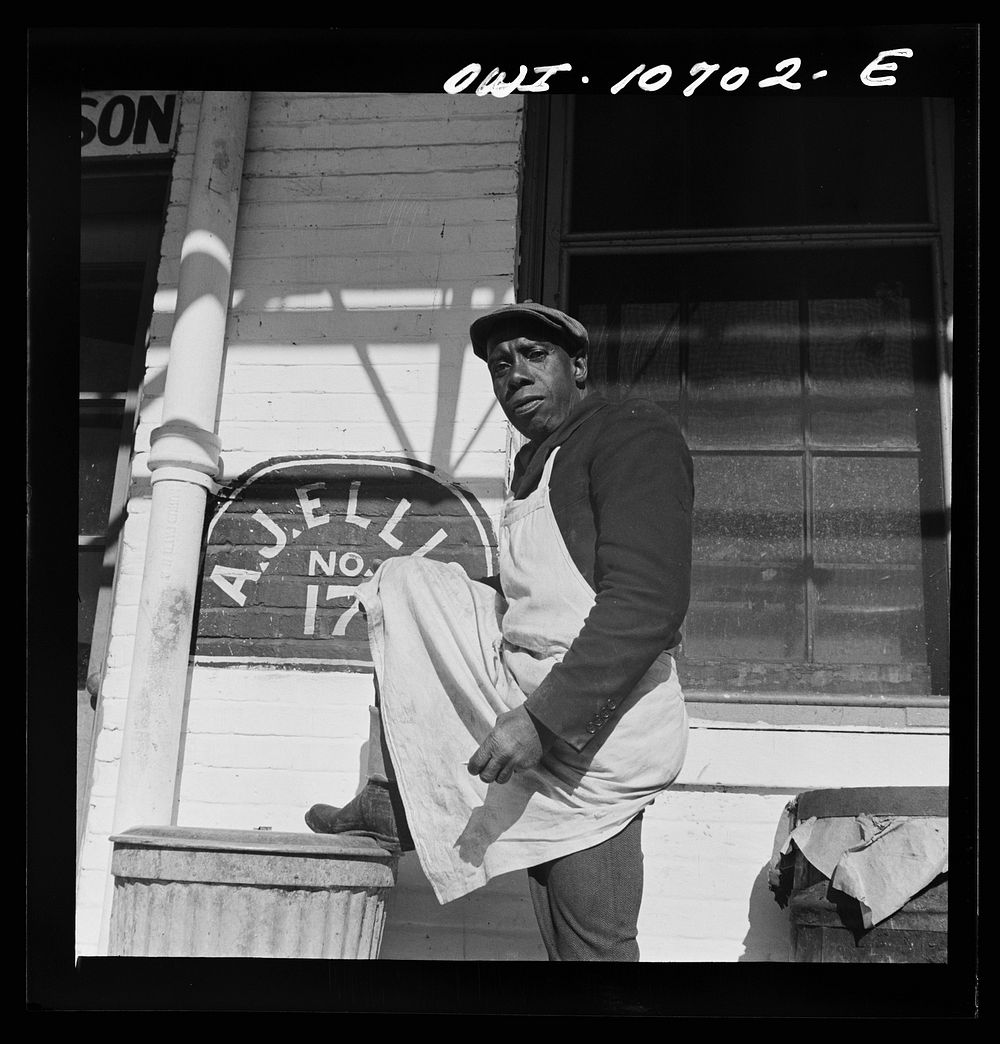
[{"x": 787, "y": 73}]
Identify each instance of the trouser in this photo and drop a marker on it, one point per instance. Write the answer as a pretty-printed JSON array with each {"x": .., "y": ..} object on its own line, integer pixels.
[{"x": 587, "y": 903}]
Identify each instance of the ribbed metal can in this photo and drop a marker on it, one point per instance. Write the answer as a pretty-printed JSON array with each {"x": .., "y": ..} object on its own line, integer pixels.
[{"x": 199, "y": 892}]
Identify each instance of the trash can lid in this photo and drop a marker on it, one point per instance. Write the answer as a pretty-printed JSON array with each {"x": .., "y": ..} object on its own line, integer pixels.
[
  {"x": 214, "y": 839},
  {"x": 878, "y": 801}
]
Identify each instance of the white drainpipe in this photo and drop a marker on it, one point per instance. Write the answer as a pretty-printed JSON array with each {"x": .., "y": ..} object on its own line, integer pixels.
[{"x": 183, "y": 460}]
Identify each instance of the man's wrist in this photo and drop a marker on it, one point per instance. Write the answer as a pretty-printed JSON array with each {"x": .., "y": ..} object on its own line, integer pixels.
[{"x": 545, "y": 735}]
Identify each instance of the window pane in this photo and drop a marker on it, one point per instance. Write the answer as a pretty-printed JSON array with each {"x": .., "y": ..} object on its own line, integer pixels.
[
  {"x": 690, "y": 161},
  {"x": 744, "y": 169},
  {"x": 747, "y": 583},
  {"x": 89, "y": 565},
  {"x": 635, "y": 352},
  {"x": 104, "y": 366},
  {"x": 867, "y": 615},
  {"x": 646, "y": 191},
  {"x": 631, "y": 308},
  {"x": 109, "y": 312},
  {"x": 744, "y": 387},
  {"x": 867, "y": 547},
  {"x": 100, "y": 433},
  {"x": 649, "y": 360},
  {"x": 866, "y": 510},
  {"x": 863, "y": 162},
  {"x": 595, "y": 318},
  {"x": 861, "y": 364}
]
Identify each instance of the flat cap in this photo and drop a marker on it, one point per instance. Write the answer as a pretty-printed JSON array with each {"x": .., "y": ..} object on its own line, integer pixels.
[{"x": 568, "y": 332}]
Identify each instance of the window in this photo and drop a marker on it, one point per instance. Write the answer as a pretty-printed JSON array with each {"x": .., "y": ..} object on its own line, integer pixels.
[
  {"x": 769, "y": 271},
  {"x": 121, "y": 222}
]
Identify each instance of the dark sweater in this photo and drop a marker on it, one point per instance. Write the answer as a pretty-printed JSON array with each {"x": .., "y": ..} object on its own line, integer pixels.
[{"x": 622, "y": 495}]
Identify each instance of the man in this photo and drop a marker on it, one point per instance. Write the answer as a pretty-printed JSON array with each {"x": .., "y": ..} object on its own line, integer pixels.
[{"x": 563, "y": 673}]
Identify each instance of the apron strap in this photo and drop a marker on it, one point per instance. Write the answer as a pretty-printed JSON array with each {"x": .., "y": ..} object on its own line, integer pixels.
[{"x": 543, "y": 482}]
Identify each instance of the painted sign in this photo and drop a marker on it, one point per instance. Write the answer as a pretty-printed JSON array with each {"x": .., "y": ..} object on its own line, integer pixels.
[
  {"x": 128, "y": 123},
  {"x": 291, "y": 541}
]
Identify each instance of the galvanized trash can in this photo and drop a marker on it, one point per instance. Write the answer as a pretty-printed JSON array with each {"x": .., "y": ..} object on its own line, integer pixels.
[
  {"x": 198, "y": 892},
  {"x": 827, "y": 925}
]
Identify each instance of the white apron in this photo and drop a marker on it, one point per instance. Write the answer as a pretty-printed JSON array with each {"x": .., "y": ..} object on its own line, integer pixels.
[{"x": 450, "y": 655}]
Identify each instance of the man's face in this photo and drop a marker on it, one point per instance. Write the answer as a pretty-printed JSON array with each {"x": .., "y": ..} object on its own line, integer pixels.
[{"x": 535, "y": 381}]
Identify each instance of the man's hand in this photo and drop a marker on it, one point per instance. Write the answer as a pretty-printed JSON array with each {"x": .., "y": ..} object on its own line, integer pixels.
[{"x": 513, "y": 745}]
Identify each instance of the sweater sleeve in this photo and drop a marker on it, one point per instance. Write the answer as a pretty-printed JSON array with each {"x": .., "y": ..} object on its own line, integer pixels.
[{"x": 641, "y": 491}]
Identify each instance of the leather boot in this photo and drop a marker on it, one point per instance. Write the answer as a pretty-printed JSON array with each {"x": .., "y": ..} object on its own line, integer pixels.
[{"x": 376, "y": 812}]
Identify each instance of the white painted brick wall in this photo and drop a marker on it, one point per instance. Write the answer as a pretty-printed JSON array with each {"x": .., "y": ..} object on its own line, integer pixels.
[
  {"x": 371, "y": 230},
  {"x": 756, "y": 757},
  {"x": 263, "y": 745}
]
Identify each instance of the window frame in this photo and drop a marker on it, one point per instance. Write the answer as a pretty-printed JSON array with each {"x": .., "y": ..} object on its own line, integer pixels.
[{"x": 544, "y": 254}]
